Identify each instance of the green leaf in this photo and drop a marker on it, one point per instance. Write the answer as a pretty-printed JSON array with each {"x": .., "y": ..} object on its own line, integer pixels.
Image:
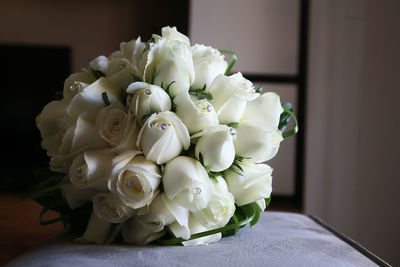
[
  {"x": 240, "y": 158},
  {"x": 201, "y": 93},
  {"x": 259, "y": 90},
  {"x": 106, "y": 101},
  {"x": 233, "y": 124},
  {"x": 96, "y": 73},
  {"x": 231, "y": 62},
  {"x": 267, "y": 201},
  {"x": 235, "y": 171},
  {"x": 238, "y": 166},
  {"x": 285, "y": 117},
  {"x": 213, "y": 175},
  {"x": 50, "y": 179}
]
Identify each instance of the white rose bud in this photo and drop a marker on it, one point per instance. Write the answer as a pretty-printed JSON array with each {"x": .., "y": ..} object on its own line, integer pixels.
[
  {"x": 96, "y": 231},
  {"x": 254, "y": 184},
  {"x": 135, "y": 233},
  {"x": 230, "y": 96},
  {"x": 91, "y": 169},
  {"x": 208, "y": 64},
  {"x": 117, "y": 128},
  {"x": 134, "y": 179},
  {"x": 101, "y": 64},
  {"x": 186, "y": 181},
  {"x": 109, "y": 208},
  {"x": 265, "y": 109},
  {"x": 216, "y": 147},
  {"x": 196, "y": 227},
  {"x": 220, "y": 208},
  {"x": 196, "y": 114},
  {"x": 146, "y": 99},
  {"x": 170, "y": 60},
  {"x": 90, "y": 99},
  {"x": 163, "y": 137},
  {"x": 257, "y": 141},
  {"x": 76, "y": 82}
]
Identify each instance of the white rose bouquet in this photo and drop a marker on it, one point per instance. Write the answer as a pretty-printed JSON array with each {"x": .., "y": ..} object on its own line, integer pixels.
[{"x": 157, "y": 142}]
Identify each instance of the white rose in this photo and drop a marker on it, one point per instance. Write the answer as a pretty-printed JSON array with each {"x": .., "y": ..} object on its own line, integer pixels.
[
  {"x": 196, "y": 114},
  {"x": 76, "y": 82},
  {"x": 128, "y": 57},
  {"x": 196, "y": 227},
  {"x": 220, "y": 208},
  {"x": 254, "y": 184},
  {"x": 52, "y": 123},
  {"x": 109, "y": 208},
  {"x": 165, "y": 212},
  {"x": 134, "y": 179},
  {"x": 162, "y": 137},
  {"x": 170, "y": 60},
  {"x": 117, "y": 128},
  {"x": 265, "y": 109},
  {"x": 257, "y": 141},
  {"x": 162, "y": 212},
  {"x": 90, "y": 99},
  {"x": 91, "y": 169},
  {"x": 77, "y": 197},
  {"x": 216, "y": 147},
  {"x": 230, "y": 96},
  {"x": 186, "y": 180},
  {"x": 208, "y": 64},
  {"x": 146, "y": 99},
  {"x": 135, "y": 233},
  {"x": 64, "y": 139},
  {"x": 133, "y": 52}
]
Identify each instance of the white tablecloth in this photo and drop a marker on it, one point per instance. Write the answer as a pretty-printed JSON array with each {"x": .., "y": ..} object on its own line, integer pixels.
[{"x": 279, "y": 239}]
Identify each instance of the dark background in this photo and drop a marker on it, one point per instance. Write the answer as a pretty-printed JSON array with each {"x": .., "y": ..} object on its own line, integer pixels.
[{"x": 31, "y": 74}]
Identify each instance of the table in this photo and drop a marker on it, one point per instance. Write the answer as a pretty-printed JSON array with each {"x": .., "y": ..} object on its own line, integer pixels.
[{"x": 279, "y": 239}]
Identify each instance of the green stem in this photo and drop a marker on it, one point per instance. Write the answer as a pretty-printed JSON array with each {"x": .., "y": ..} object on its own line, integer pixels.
[
  {"x": 231, "y": 62},
  {"x": 176, "y": 241},
  {"x": 295, "y": 129},
  {"x": 47, "y": 208}
]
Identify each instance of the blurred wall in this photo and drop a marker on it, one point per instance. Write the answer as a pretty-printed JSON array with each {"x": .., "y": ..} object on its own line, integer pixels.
[
  {"x": 352, "y": 146},
  {"x": 89, "y": 27}
]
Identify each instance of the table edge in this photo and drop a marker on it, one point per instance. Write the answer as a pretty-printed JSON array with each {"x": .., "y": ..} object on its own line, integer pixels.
[{"x": 350, "y": 241}]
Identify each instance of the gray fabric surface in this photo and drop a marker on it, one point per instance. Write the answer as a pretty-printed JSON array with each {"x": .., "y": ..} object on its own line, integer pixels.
[{"x": 279, "y": 239}]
